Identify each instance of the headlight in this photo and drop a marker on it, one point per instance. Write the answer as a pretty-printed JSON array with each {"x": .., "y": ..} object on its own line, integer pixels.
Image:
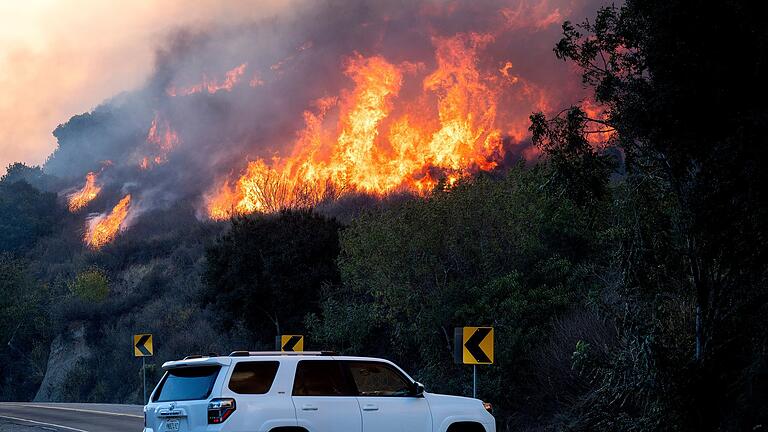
[{"x": 488, "y": 407}]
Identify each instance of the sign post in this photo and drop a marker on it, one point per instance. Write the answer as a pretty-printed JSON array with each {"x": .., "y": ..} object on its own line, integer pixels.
[
  {"x": 143, "y": 347},
  {"x": 289, "y": 343},
  {"x": 473, "y": 345}
]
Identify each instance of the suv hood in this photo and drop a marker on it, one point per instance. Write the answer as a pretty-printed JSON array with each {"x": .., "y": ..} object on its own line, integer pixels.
[{"x": 441, "y": 398}]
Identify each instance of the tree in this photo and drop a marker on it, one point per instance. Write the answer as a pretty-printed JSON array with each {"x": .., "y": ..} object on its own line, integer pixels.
[
  {"x": 33, "y": 175},
  {"x": 677, "y": 81},
  {"x": 90, "y": 285},
  {"x": 24, "y": 330},
  {"x": 502, "y": 252},
  {"x": 578, "y": 170},
  {"x": 26, "y": 214},
  {"x": 267, "y": 272}
]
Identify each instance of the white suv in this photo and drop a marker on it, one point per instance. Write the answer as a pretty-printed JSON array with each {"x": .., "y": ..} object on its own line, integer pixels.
[{"x": 303, "y": 392}]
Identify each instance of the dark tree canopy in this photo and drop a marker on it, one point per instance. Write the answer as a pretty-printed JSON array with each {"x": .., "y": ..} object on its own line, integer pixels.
[
  {"x": 679, "y": 83},
  {"x": 33, "y": 175},
  {"x": 24, "y": 330},
  {"x": 267, "y": 272},
  {"x": 26, "y": 214}
]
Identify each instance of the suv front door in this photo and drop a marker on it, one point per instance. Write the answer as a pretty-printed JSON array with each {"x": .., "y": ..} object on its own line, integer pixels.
[
  {"x": 324, "y": 398},
  {"x": 386, "y": 399}
]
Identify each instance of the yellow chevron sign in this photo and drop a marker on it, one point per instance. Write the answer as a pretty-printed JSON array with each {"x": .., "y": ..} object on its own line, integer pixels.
[
  {"x": 290, "y": 343},
  {"x": 142, "y": 345},
  {"x": 473, "y": 345}
]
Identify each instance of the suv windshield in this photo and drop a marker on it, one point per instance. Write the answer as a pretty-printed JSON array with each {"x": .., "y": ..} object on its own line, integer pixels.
[{"x": 188, "y": 383}]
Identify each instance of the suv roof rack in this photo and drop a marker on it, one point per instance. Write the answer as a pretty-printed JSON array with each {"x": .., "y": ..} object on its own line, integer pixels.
[
  {"x": 278, "y": 353},
  {"x": 197, "y": 356}
]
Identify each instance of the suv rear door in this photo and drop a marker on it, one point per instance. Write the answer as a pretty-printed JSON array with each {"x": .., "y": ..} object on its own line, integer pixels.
[
  {"x": 387, "y": 400},
  {"x": 324, "y": 397},
  {"x": 180, "y": 401},
  {"x": 261, "y": 389}
]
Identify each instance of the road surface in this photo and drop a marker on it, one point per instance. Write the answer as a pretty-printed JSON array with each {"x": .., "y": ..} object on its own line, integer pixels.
[{"x": 60, "y": 417}]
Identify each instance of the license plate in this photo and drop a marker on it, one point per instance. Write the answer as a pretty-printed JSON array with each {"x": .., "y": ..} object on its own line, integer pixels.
[{"x": 172, "y": 425}]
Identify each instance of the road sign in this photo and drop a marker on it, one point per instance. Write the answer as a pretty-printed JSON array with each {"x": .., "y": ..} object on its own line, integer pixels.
[
  {"x": 473, "y": 345},
  {"x": 142, "y": 345},
  {"x": 289, "y": 343}
]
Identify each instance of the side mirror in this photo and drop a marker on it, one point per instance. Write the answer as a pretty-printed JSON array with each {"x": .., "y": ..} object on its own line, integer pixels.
[{"x": 418, "y": 389}]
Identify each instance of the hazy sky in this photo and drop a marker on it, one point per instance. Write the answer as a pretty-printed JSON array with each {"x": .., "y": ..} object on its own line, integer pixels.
[{"x": 63, "y": 57}]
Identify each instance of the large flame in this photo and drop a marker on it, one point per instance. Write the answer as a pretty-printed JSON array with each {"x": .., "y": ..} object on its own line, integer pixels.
[
  {"x": 103, "y": 228},
  {"x": 79, "y": 199},
  {"x": 383, "y": 142},
  {"x": 210, "y": 85}
]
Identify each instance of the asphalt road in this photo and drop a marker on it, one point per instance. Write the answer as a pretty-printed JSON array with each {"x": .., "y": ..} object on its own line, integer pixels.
[{"x": 34, "y": 417}]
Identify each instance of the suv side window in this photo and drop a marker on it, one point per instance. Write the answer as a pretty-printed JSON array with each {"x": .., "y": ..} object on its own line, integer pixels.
[
  {"x": 321, "y": 378},
  {"x": 378, "y": 379},
  {"x": 254, "y": 377}
]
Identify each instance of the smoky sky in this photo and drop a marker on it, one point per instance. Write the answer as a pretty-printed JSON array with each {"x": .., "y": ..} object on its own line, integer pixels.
[
  {"x": 292, "y": 58},
  {"x": 60, "y": 58}
]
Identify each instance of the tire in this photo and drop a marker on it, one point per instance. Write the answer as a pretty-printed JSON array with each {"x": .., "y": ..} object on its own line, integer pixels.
[{"x": 466, "y": 427}]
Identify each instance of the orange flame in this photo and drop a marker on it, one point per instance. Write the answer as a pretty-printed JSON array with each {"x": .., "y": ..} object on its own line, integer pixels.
[
  {"x": 163, "y": 138},
  {"x": 379, "y": 146},
  {"x": 597, "y": 133},
  {"x": 210, "y": 85},
  {"x": 103, "y": 228},
  {"x": 79, "y": 199}
]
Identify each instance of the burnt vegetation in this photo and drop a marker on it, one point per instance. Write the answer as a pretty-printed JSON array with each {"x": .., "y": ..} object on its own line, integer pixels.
[{"x": 627, "y": 280}]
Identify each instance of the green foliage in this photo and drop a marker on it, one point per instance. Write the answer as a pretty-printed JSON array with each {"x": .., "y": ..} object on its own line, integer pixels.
[
  {"x": 488, "y": 252},
  {"x": 266, "y": 273},
  {"x": 25, "y": 332},
  {"x": 26, "y": 214},
  {"x": 90, "y": 285}
]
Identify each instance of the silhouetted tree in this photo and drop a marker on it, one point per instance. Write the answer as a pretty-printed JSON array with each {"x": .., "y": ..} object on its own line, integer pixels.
[
  {"x": 267, "y": 272},
  {"x": 26, "y": 214},
  {"x": 678, "y": 81}
]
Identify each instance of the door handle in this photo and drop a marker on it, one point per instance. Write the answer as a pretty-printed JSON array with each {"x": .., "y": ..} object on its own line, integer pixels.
[
  {"x": 308, "y": 408},
  {"x": 370, "y": 407}
]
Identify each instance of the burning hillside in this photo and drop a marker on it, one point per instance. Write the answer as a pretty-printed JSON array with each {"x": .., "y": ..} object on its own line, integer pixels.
[
  {"x": 380, "y": 141},
  {"x": 314, "y": 105},
  {"x": 161, "y": 139},
  {"x": 103, "y": 228},
  {"x": 80, "y": 198}
]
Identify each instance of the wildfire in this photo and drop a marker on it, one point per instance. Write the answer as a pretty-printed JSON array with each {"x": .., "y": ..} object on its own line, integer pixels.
[
  {"x": 163, "y": 138},
  {"x": 103, "y": 228},
  {"x": 505, "y": 72},
  {"x": 79, "y": 199},
  {"x": 382, "y": 119},
  {"x": 382, "y": 141},
  {"x": 256, "y": 81},
  {"x": 210, "y": 85},
  {"x": 597, "y": 133}
]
